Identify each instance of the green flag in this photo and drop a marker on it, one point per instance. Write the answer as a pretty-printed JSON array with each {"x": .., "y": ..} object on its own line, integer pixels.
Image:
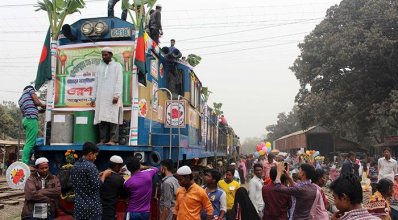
[{"x": 44, "y": 68}]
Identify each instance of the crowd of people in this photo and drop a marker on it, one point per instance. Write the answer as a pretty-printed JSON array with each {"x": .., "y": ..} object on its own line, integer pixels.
[
  {"x": 294, "y": 187},
  {"x": 272, "y": 193},
  {"x": 280, "y": 186}
]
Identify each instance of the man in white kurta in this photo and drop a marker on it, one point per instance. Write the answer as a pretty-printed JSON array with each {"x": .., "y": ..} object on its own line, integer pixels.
[
  {"x": 255, "y": 189},
  {"x": 108, "y": 98},
  {"x": 387, "y": 166}
]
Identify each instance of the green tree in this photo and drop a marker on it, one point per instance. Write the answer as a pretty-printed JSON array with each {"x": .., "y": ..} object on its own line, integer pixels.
[
  {"x": 193, "y": 59},
  {"x": 206, "y": 93},
  {"x": 286, "y": 124},
  {"x": 385, "y": 116},
  {"x": 217, "y": 108},
  {"x": 57, "y": 11},
  {"x": 139, "y": 11},
  {"x": 9, "y": 120},
  {"x": 348, "y": 63}
]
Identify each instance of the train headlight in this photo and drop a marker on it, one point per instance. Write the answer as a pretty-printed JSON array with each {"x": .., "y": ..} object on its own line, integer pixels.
[
  {"x": 100, "y": 27},
  {"x": 87, "y": 28}
]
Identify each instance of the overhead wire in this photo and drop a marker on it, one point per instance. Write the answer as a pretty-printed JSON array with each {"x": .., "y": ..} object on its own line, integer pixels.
[
  {"x": 233, "y": 43},
  {"x": 226, "y": 26},
  {"x": 250, "y": 7},
  {"x": 249, "y": 48},
  {"x": 219, "y": 34},
  {"x": 8, "y": 91},
  {"x": 33, "y": 4},
  {"x": 247, "y": 41},
  {"x": 174, "y": 27},
  {"x": 198, "y": 9},
  {"x": 240, "y": 31}
]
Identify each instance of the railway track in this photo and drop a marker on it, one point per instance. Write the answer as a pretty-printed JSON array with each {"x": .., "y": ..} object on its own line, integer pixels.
[{"x": 10, "y": 196}]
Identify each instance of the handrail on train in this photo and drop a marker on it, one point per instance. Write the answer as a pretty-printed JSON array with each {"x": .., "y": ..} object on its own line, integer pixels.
[
  {"x": 150, "y": 120},
  {"x": 179, "y": 97},
  {"x": 201, "y": 116}
]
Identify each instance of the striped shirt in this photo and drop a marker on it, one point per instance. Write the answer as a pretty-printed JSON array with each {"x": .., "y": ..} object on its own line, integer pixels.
[
  {"x": 358, "y": 214},
  {"x": 26, "y": 104}
]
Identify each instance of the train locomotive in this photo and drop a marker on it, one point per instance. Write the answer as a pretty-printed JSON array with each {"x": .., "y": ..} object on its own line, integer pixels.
[{"x": 165, "y": 113}]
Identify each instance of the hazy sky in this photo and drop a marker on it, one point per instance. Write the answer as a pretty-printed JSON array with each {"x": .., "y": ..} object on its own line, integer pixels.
[{"x": 246, "y": 49}]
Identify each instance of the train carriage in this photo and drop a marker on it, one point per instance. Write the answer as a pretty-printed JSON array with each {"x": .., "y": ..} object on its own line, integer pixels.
[
  {"x": 164, "y": 111},
  {"x": 165, "y": 115}
]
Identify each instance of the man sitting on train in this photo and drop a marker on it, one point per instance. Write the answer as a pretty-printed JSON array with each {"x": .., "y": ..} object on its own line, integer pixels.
[
  {"x": 107, "y": 98},
  {"x": 172, "y": 47}
]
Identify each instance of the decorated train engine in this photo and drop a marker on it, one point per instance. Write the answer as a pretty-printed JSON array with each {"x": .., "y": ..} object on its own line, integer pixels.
[{"x": 164, "y": 111}]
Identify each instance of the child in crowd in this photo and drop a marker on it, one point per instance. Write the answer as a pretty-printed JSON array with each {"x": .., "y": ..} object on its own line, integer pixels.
[
  {"x": 365, "y": 181},
  {"x": 333, "y": 173},
  {"x": 379, "y": 203},
  {"x": 373, "y": 175}
]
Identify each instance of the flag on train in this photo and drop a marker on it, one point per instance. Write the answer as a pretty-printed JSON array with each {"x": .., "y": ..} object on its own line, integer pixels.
[
  {"x": 44, "y": 68},
  {"x": 140, "y": 55}
]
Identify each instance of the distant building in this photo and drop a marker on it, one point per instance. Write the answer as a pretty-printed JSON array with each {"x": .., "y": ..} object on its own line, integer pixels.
[
  {"x": 8, "y": 153},
  {"x": 391, "y": 142},
  {"x": 316, "y": 138}
]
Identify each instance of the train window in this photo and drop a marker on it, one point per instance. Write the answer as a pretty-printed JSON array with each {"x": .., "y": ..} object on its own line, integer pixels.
[
  {"x": 197, "y": 95},
  {"x": 192, "y": 98},
  {"x": 195, "y": 91},
  {"x": 201, "y": 101},
  {"x": 175, "y": 79}
]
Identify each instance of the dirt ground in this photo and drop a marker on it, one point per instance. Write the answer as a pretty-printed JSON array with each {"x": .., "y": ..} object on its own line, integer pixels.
[{"x": 11, "y": 212}]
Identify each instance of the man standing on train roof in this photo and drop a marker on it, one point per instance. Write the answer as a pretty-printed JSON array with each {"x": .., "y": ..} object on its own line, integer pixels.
[
  {"x": 28, "y": 104},
  {"x": 108, "y": 98},
  {"x": 155, "y": 24},
  {"x": 172, "y": 43},
  {"x": 111, "y": 13}
]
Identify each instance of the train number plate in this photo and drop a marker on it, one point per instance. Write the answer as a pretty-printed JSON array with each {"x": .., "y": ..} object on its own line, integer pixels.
[{"x": 120, "y": 32}]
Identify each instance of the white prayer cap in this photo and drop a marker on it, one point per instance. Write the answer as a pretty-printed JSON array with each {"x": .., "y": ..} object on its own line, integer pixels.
[
  {"x": 107, "y": 49},
  {"x": 116, "y": 159},
  {"x": 233, "y": 164},
  {"x": 184, "y": 170},
  {"x": 41, "y": 160},
  {"x": 158, "y": 6}
]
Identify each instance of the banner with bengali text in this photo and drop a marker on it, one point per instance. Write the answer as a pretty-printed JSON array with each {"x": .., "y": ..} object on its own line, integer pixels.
[{"x": 76, "y": 70}]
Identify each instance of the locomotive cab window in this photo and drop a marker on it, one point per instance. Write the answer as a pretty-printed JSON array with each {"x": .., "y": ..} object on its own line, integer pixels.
[
  {"x": 176, "y": 81},
  {"x": 195, "y": 91}
]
